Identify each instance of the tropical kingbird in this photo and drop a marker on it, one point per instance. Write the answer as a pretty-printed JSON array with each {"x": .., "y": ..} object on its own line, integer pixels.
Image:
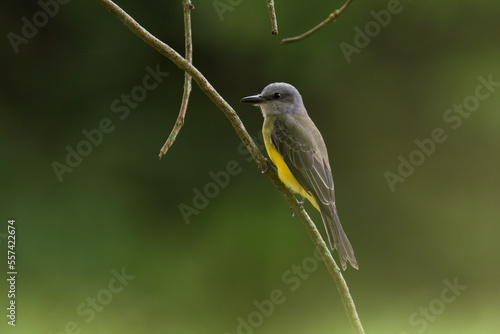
[{"x": 298, "y": 151}]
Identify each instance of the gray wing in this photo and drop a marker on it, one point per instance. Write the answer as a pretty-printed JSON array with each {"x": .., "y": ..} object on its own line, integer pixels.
[
  {"x": 305, "y": 155},
  {"x": 303, "y": 150}
]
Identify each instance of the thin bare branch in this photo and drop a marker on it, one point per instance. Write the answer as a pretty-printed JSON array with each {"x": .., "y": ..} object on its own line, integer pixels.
[
  {"x": 197, "y": 76},
  {"x": 272, "y": 13},
  {"x": 187, "y": 7},
  {"x": 207, "y": 88},
  {"x": 331, "y": 18}
]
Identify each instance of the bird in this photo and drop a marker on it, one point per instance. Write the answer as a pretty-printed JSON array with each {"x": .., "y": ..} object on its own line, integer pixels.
[{"x": 298, "y": 151}]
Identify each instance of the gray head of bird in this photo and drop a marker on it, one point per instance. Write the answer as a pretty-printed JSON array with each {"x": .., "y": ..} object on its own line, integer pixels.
[{"x": 278, "y": 98}]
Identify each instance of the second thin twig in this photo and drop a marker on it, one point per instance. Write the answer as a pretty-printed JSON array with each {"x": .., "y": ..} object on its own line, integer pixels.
[
  {"x": 272, "y": 14},
  {"x": 331, "y": 18},
  {"x": 187, "y": 6}
]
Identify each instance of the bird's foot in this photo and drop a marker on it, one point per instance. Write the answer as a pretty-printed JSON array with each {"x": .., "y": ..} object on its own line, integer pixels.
[
  {"x": 301, "y": 202},
  {"x": 269, "y": 165}
]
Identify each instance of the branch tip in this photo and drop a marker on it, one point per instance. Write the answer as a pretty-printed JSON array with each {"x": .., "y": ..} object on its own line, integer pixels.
[
  {"x": 331, "y": 18},
  {"x": 272, "y": 14},
  {"x": 188, "y": 6}
]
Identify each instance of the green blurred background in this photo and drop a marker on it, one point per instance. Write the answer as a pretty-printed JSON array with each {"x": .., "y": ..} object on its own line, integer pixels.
[{"x": 119, "y": 208}]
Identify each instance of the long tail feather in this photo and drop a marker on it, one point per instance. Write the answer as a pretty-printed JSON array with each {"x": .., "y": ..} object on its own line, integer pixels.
[{"x": 337, "y": 237}]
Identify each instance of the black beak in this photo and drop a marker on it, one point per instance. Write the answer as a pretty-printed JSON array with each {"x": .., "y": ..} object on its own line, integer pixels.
[{"x": 255, "y": 99}]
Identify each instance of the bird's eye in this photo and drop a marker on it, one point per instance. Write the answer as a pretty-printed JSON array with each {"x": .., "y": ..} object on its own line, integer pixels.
[{"x": 276, "y": 96}]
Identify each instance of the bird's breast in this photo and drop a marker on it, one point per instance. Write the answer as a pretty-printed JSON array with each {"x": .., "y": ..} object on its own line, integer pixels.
[{"x": 284, "y": 172}]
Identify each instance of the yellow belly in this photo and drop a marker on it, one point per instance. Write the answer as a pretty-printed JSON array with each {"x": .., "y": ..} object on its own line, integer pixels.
[{"x": 284, "y": 172}]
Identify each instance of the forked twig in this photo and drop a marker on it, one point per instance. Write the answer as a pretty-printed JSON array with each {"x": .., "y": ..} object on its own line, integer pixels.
[
  {"x": 331, "y": 18},
  {"x": 187, "y": 7}
]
